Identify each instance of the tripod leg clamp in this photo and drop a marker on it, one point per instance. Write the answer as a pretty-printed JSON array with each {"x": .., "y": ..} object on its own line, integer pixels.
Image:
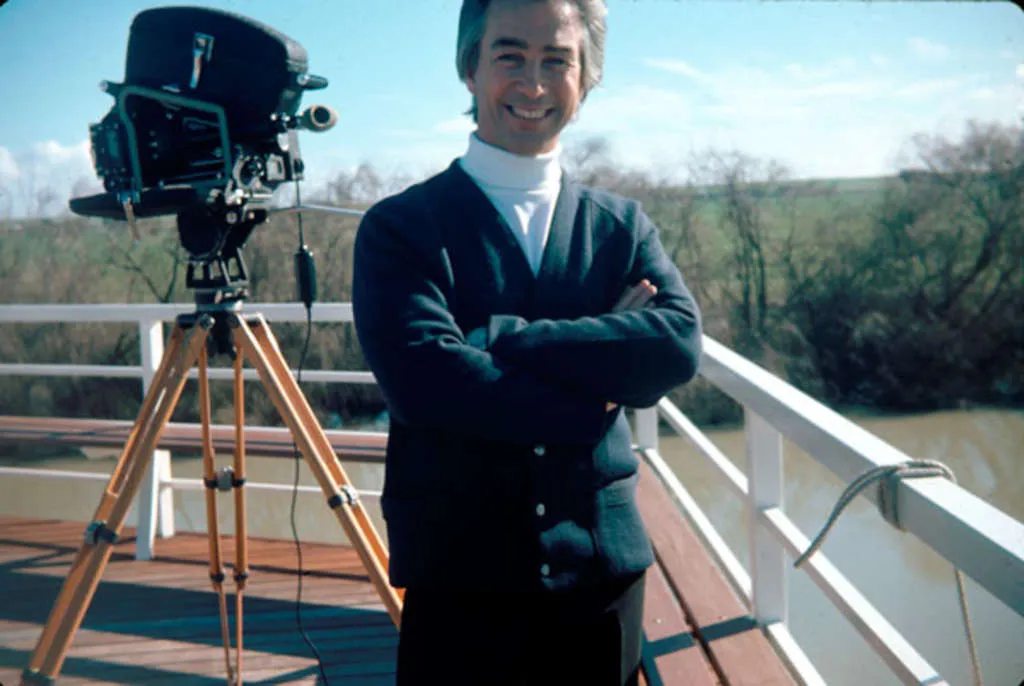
[
  {"x": 98, "y": 531},
  {"x": 224, "y": 480},
  {"x": 348, "y": 495}
]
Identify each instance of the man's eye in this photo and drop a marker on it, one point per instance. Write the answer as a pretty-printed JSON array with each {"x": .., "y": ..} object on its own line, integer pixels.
[
  {"x": 558, "y": 62},
  {"x": 508, "y": 58}
]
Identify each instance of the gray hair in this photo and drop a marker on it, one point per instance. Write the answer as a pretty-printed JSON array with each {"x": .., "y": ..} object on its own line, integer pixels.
[{"x": 473, "y": 19}]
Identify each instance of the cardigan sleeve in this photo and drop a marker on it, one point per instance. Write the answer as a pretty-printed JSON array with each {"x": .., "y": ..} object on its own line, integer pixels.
[
  {"x": 632, "y": 358},
  {"x": 429, "y": 375}
]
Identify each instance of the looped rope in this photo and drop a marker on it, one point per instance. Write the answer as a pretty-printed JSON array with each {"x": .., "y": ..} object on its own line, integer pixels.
[{"x": 889, "y": 477}]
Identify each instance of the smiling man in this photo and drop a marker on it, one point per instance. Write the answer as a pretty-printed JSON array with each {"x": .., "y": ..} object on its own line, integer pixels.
[
  {"x": 509, "y": 315},
  {"x": 527, "y": 81}
]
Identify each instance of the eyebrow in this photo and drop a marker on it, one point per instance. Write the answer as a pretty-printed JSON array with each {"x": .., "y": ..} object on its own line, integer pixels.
[{"x": 521, "y": 44}]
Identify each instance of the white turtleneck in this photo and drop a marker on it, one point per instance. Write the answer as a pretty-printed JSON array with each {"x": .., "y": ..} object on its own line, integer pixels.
[{"x": 522, "y": 189}]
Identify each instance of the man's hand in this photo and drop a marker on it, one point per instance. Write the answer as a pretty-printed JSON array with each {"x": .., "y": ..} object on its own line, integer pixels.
[{"x": 634, "y": 298}]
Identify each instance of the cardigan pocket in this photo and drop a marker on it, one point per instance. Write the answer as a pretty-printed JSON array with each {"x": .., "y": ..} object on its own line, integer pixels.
[{"x": 619, "y": 532}]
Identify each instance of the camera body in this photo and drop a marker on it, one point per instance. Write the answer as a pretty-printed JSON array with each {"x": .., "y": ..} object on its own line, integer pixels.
[
  {"x": 156, "y": 139},
  {"x": 204, "y": 126}
]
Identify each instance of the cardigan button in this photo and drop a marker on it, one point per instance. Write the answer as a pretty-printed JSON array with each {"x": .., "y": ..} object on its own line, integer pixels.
[
  {"x": 545, "y": 569},
  {"x": 541, "y": 509},
  {"x": 539, "y": 451}
]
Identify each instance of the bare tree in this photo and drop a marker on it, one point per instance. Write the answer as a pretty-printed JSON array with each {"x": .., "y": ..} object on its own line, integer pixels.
[
  {"x": 6, "y": 202},
  {"x": 363, "y": 186},
  {"x": 743, "y": 188},
  {"x": 158, "y": 276}
]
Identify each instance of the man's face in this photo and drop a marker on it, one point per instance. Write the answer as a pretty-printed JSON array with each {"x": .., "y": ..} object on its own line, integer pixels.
[{"x": 527, "y": 82}]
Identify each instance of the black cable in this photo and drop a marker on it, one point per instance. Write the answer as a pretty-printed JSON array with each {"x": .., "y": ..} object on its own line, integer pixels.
[{"x": 305, "y": 277}]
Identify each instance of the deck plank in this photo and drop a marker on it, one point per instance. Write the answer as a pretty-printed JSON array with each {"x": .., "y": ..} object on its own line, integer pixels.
[
  {"x": 157, "y": 622},
  {"x": 671, "y": 653},
  {"x": 739, "y": 650}
]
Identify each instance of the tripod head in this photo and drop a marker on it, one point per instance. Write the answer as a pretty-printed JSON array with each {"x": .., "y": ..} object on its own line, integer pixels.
[{"x": 216, "y": 269}]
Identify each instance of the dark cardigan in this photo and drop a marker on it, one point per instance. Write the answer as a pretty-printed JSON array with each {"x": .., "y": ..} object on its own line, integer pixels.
[{"x": 504, "y": 471}]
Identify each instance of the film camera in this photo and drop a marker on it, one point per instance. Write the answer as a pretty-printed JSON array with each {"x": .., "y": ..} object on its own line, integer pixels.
[{"x": 204, "y": 126}]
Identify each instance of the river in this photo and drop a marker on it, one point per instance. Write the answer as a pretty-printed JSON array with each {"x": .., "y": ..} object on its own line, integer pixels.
[{"x": 911, "y": 585}]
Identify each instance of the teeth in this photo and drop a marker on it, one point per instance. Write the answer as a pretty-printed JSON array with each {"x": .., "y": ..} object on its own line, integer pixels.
[{"x": 528, "y": 114}]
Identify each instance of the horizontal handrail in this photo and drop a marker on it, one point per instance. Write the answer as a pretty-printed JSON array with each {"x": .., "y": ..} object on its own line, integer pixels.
[
  {"x": 978, "y": 538},
  {"x": 974, "y": 536},
  {"x": 279, "y": 312},
  {"x": 137, "y": 372},
  {"x": 897, "y": 653},
  {"x": 901, "y": 657},
  {"x": 263, "y": 441},
  {"x": 184, "y": 484}
]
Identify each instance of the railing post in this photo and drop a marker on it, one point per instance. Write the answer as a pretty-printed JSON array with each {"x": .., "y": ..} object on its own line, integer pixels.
[
  {"x": 767, "y": 556},
  {"x": 645, "y": 425},
  {"x": 155, "y": 506}
]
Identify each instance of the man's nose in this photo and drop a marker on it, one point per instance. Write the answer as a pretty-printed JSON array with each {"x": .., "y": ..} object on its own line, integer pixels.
[{"x": 531, "y": 81}]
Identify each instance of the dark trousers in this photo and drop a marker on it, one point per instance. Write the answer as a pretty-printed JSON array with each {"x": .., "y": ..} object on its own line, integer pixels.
[{"x": 591, "y": 636}]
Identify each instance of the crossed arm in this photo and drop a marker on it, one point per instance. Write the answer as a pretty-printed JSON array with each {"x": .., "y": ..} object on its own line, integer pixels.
[
  {"x": 636, "y": 297},
  {"x": 543, "y": 381}
]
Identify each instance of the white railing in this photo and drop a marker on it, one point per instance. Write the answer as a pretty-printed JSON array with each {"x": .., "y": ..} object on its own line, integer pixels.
[{"x": 974, "y": 536}]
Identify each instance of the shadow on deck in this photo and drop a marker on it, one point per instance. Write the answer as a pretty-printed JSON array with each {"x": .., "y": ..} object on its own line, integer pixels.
[{"x": 158, "y": 621}]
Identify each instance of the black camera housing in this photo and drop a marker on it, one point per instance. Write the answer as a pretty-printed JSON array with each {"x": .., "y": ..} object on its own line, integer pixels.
[{"x": 204, "y": 127}]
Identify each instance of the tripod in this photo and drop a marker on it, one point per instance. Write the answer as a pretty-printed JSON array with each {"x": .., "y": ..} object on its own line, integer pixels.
[{"x": 252, "y": 340}]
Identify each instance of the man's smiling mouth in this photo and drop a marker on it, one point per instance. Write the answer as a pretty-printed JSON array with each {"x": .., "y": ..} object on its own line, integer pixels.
[{"x": 528, "y": 115}]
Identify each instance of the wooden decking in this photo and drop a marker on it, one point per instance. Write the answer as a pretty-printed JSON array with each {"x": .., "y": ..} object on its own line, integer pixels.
[{"x": 157, "y": 622}]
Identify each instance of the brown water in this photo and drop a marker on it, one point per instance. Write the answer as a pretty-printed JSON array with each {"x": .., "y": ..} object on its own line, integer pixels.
[{"x": 911, "y": 585}]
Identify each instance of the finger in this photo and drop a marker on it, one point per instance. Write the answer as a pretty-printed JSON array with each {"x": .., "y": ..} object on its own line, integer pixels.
[
  {"x": 645, "y": 297},
  {"x": 627, "y": 299},
  {"x": 640, "y": 294}
]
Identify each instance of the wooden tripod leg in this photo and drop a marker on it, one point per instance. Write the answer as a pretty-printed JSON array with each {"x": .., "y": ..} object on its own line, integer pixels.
[
  {"x": 79, "y": 587},
  {"x": 265, "y": 338},
  {"x": 262, "y": 350},
  {"x": 241, "y": 532},
  {"x": 125, "y": 464},
  {"x": 210, "y": 482}
]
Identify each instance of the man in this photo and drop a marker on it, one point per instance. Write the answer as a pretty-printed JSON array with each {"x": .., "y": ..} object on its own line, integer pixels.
[{"x": 509, "y": 314}]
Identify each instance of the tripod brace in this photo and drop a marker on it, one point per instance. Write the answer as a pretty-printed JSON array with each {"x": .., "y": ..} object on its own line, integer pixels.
[{"x": 252, "y": 340}]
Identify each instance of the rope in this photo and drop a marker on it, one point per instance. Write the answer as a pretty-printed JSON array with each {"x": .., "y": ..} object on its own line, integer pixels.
[{"x": 889, "y": 477}]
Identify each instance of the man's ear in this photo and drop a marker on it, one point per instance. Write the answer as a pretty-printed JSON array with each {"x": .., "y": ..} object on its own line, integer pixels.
[{"x": 471, "y": 84}]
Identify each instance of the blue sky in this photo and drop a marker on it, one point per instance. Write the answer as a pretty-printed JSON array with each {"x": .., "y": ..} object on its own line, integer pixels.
[{"x": 826, "y": 88}]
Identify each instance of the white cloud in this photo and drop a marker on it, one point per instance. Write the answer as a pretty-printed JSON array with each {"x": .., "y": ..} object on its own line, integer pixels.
[
  {"x": 8, "y": 167},
  {"x": 634, "y": 108},
  {"x": 928, "y": 49},
  {"x": 1020, "y": 73},
  {"x": 794, "y": 90},
  {"x": 462, "y": 124},
  {"x": 928, "y": 88},
  {"x": 404, "y": 134},
  {"x": 982, "y": 94},
  {"x": 47, "y": 170},
  {"x": 842, "y": 117},
  {"x": 56, "y": 153},
  {"x": 677, "y": 67}
]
